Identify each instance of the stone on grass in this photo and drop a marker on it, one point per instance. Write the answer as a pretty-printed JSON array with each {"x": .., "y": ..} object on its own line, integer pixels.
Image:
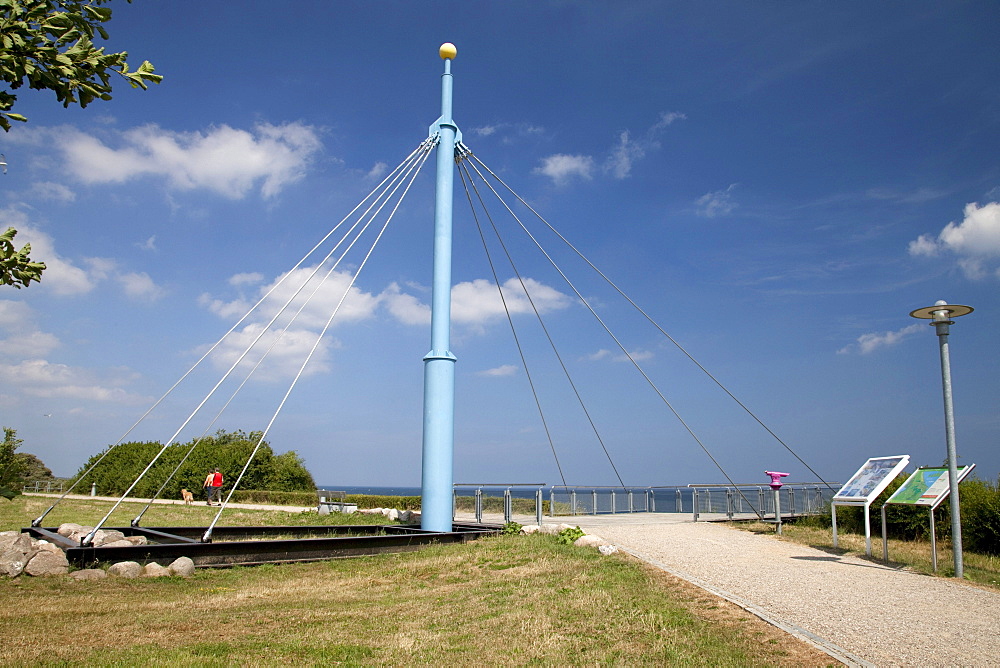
[
  {"x": 529, "y": 529},
  {"x": 392, "y": 514},
  {"x": 47, "y": 563},
  {"x": 136, "y": 540},
  {"x": 324, "y": 509},
  {"x": 89, "y": 574},
  {"x": 607, "y": 549},
  {"x": 405, "y": 515},
  {"x": 154, "y": 570},
  {"x": 125, "y": 569},
  {"x": 15, "y": 540},
  {"x": 589, "y": 541},
  {"x": 12, "y": 563},
  {"x": 119, "y": 543},
  {"x": 182, "y": 566}
]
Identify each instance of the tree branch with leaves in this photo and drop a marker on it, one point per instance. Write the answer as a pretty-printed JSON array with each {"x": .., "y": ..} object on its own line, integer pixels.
[
  {"x": 49, "y": 44},
  {"x": 16, "y": 268}
]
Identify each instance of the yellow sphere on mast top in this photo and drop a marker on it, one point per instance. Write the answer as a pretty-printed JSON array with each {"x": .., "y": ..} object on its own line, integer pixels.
[{"x": 448, "y": 51}]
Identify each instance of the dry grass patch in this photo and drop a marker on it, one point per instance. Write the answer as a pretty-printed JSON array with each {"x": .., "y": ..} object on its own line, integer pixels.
[{"x": 498, "y": 601}]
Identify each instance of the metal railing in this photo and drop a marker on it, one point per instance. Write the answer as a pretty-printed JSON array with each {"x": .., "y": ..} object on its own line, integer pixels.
[
  {"x": 46, "y": 486},
  {"x": 507, "y": 495},
  {"x": 732, "y": 501}
]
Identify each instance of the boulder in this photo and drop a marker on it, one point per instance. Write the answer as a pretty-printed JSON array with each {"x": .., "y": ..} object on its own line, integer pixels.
[
  {"x": 529, "y": 529},
  {"x": 67, "y": 529},
  {"x": 47, "y": 563},
  {"x": 392, "y": 514},
  {"x": 105, "y": 536},
  {"x": 154, "y": 570},
  {"x": 125, "y": 569},
  {"x": 12, "y": 563},
  {"x": 607, "y": 549},
  {"x": 15, "y": 540},
  {"x": 89, "y": 574},
  {"x": 324, "y": 509},
  {"x": 405, "y": 515},
  {"x": 119, "y": 543},
  {"x": 553, "y": 529},
  {"x": 589, "y": 541},
  {"x": 182, "y": 567}
]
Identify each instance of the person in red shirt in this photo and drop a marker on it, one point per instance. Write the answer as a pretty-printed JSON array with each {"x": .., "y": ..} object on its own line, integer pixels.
[{"x": 214, "y": 483}]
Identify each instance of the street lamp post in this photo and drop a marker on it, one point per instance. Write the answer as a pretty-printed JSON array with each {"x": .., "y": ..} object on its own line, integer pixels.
[{"x": 940, "y": 316}]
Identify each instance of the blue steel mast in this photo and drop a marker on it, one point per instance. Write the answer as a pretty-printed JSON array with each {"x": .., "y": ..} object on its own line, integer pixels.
[{"x": 437, "y": 477}]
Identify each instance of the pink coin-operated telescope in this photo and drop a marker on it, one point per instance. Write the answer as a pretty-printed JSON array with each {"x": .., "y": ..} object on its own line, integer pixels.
[{"x": 776, "y": 477}]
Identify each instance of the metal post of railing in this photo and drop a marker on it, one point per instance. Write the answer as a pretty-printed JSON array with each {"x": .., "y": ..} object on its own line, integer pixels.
[
  {"x": 694, "y": 502},
  {"x": 454, "y": 503},
  {"x": 593, "y": 497},
  {"x": 791, "y": 501},
  {"x": 761, "y": 500},
  {"x": 729, "y": 503},
  {"x": 679, "y": 503},
  {"x": 651, "y": 500},
  {"x": 572, "y": 502},
  {"x": 479, "y": 504},
  {"x": 612, "y": 502},
  {"x": 631, "y": 509},
  {"x": 507, "y": 510},
  {"x": 552, "y": 502},
  {"x": 538, "y": 506}
]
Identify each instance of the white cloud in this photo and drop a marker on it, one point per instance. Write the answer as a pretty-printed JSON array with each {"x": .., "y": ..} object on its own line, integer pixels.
[
  {"x": 624, "y": 154},
  {"x": 405, "y": 308},
  {"x": 868, "y": 343},
  {"x": 477, "y": 302},
  {"x": 61, "y": 276},
  {"x": 149, "y": 244},
  {"x": 377, "y": 170},
  {"x": 56, "y": 192},
  {"x": 24, "y": 338},
  {"x": 140, "y": 286},
  {"x": 975, "y": 241},
  {"x": 39, "y": 378},
  {"x": 246, "y": 278},
  {"x": 503, "y": 370},
  {"x": 604, "y": 353},
  {"x": 718, "y": 203},
  {"x": 286, "y": 352},
  {"x": 563, "y": 168},
  {"x": 225, "y": 160},
  {"x": 630, "y": 150}
]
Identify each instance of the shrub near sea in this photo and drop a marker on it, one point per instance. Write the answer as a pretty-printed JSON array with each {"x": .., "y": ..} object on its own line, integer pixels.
[{"x": 227, "y": 451}]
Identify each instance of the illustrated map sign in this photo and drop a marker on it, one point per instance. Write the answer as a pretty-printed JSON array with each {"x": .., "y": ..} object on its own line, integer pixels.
[
  {"x": 927, "y": 486},
  {"x": 870, "y": 480}
]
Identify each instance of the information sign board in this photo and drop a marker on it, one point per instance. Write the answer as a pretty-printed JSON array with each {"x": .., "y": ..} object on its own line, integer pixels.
[
  {"x": 927, "y": 486},
  {"x": 870, "y": 480}
]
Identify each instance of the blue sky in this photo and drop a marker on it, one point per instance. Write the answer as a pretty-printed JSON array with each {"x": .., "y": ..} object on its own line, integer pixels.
[{"x": 777, "y": 184}]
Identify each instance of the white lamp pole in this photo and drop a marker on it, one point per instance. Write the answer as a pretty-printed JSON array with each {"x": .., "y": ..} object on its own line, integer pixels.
[{"x": 940, "y": 316}]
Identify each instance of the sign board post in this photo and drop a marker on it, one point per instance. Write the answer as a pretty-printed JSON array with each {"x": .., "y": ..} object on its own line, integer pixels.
[
  {"x": 927, "y": 486},
  {"x": 864, "y": 487}
]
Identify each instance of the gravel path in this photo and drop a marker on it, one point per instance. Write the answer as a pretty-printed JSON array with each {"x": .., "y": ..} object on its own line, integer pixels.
[{"x": 877, "y": 614}]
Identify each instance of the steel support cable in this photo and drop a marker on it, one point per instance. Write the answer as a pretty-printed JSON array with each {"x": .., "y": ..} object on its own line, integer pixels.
[
  {"x": 610, "y": 333},
  {"x": 517, "y": 341},
  {"x": 545, "y": 329},
  {"x": 206, "y": 537},
  {"x": 276, "y": 340},
  {"x": 548, "y": 336},
  {"x": 425, "y": 146},
  {"x": 657, "y": 326}
]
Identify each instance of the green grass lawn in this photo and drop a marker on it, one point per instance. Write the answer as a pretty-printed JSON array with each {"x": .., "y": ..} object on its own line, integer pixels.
[{"x": 506, "y": 600}]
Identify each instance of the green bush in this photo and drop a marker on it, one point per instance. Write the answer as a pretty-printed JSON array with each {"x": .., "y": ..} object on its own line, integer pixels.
[
  {"x": 227, "y": 451},
  {"x": 570, "y": 535}
]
